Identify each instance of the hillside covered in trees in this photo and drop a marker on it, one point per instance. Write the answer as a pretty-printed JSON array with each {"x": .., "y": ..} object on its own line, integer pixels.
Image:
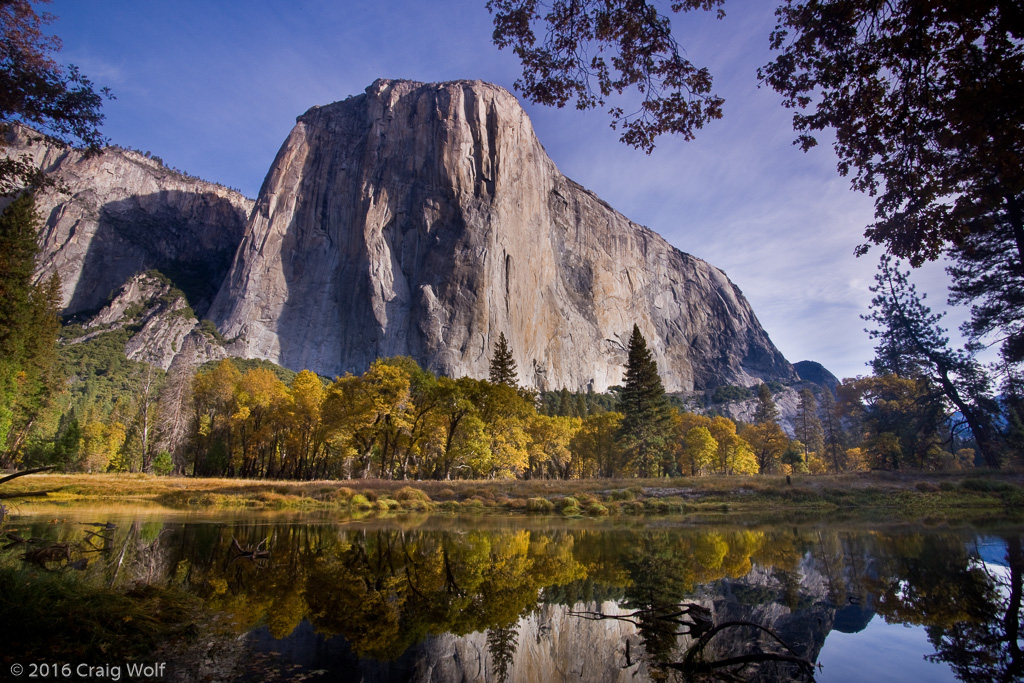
[{"x": 397, "y": 421}]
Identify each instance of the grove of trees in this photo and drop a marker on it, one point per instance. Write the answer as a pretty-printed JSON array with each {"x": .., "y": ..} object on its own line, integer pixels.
[{"x": 243, "y": 418}]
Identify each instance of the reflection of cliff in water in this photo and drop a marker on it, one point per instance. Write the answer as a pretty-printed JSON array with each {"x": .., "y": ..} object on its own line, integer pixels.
[{"x": 801, "y": 599}]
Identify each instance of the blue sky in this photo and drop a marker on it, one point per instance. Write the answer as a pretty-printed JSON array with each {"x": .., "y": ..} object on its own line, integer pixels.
[{"x": 214, "y": 87}]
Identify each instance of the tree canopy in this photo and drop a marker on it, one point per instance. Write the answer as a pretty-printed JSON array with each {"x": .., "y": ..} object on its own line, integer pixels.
[
  {"x": 586, "y": 51},
  {"x": 926, "y": 101},
  {"x": 35, "y": 90}
]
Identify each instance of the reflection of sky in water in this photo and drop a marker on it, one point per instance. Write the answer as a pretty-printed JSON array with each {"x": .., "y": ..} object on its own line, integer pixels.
[
  {"x": 896, "y": 652},
  {"x": 881, "y": 652},
  {"x": 992, "y": 550}
]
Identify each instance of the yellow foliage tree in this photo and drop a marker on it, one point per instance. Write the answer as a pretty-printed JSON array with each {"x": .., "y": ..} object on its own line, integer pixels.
[
  {"x": 549, "y": 451},
  {"x": 595, "y": 450},
  {"x": 698, "y": 452}
]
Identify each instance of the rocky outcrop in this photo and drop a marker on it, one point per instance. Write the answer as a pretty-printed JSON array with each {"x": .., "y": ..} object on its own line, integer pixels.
[
  {"x": 162, "y": 324},
  {"x": 425, "y": 219},
  {"x": 119, "y": 213},
  {"x": 816, "y": 373}
]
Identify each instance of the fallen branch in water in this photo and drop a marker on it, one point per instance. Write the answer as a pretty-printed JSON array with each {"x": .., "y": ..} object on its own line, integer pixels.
[
  {"x": 694, "y": 618},
  {"x": 693, "y": 662},
  {"x": 257, "y": 553}
]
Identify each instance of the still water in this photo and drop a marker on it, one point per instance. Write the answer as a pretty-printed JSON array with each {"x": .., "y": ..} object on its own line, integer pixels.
[{"x": 438, "y": 598}]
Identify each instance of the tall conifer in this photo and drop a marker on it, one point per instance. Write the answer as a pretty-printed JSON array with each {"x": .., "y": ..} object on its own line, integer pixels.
[
  {"x": 28, "y": 329},
  {"x": 766, "y": 411},
  {"x": 503, "y": 365},
  {"x": 647, "y": 417}
]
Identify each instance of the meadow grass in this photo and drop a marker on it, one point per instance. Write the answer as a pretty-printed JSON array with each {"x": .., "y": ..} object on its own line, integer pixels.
[{"x": 904, "y": 491}]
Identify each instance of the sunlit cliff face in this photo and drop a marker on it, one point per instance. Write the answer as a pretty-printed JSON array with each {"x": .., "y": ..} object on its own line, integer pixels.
[{"x": 426, "y": 219}]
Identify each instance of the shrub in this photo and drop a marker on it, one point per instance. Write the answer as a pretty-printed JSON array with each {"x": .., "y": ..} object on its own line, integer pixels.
[
  {"x": 162, "y": 463},
  {"x": 597, "y": 510},
  {"x": 408, "y": 494},
  {"x": 986, "y": 485},
  {"x": 569, "y": 502},
  {"x": 360, "y": 502},
  {"x": 632, "y": 507},
  {"x": 541, "y": 505},
  {"x": 926, "y": 487},
  {"x": 729, "y": 393},
  {"x": 342, "y": 493}
]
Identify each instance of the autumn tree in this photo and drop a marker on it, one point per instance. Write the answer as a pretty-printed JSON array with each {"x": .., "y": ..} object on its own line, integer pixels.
[
  {"x": 699, "y": 451},
  {"x": 768, "y": 442},
  {"x": 367, "y": 416},
  {"x": 29, "y": 374},
  {"x": 900, "y": 419},
  {"x": 646, "y": 416},
  {"x": 505, "y": 414},
  {"x": 549, "y": 449},
  {"x": 733, "y": 455},
  {"x": 304, "y": 456},
  {"x": 503, "y": 365},
  {"x": 459, "y": 441},
  {"x": 595, "y": 448},
  {"x": 213, "y": 398}
]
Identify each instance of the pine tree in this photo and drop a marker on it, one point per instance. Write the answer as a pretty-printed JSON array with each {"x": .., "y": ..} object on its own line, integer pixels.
[
  {"x": 767, "y": 411},
  {"x": 28, "y": 330},
  {"x": 647, "y": 417},
  {"x": 503, "y": 365},
  {"x": 832, "y": 430},
  {"x": 808, "y": 426},
  {"x": 911, "y": 344}
]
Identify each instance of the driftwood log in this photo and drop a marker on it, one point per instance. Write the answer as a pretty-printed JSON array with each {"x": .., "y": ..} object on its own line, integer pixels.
[{"x": 26, "y": 494}]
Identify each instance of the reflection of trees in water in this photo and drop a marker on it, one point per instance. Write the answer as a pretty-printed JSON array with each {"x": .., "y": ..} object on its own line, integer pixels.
[
  {"x": 386, "y": 589},
  {"x": 971, "y": 612}
]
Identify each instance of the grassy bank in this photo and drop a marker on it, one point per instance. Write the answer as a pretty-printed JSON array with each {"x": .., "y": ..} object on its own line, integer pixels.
[{"x": 914, "y": 493}]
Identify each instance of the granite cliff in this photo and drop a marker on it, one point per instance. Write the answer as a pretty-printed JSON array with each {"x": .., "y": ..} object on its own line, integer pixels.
[
  {"x": 414, "y": 219},
  {"x": 119, "y": 213},
  {"x": 425, "y": 219}
]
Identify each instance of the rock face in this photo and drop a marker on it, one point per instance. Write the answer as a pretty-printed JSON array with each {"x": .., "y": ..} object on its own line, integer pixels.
[
  {"x": 811, "y": 371},
  {"x": 121, "y": 213},
  {"x": 164, "y": 327},
  {"x": 425, "y": 219}
]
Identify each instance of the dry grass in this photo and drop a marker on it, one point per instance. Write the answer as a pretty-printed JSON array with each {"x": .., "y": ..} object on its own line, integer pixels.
[{"x": 883, "y": 490}]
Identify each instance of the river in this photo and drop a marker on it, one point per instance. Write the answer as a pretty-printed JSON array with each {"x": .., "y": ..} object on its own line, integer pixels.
[{"x": 482, "y": 598}]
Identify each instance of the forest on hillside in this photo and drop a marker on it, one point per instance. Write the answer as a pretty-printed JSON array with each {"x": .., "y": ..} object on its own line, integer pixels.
[{"x": 252, "y": 419}]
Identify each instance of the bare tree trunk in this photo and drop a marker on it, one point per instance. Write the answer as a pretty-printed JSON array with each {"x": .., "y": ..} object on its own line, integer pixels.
[{"x": 175, "y": 411}]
